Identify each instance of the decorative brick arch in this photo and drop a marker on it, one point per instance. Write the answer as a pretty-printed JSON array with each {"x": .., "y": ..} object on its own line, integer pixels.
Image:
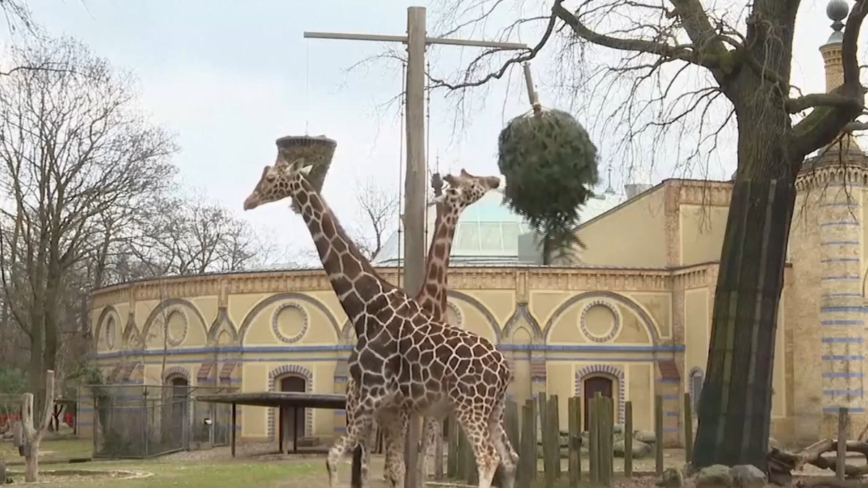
[
  {"x": 177, "y": 371},
  {"x": 608, "y": 370},
  {"x": 291, "y": 370}
]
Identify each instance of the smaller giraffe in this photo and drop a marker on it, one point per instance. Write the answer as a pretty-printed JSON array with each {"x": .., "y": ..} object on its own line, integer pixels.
[{"x": 463, "y": 191}]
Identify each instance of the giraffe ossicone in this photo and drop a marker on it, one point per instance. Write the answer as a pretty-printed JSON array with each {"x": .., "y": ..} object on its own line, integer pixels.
[{"x": 404, "y": 361}]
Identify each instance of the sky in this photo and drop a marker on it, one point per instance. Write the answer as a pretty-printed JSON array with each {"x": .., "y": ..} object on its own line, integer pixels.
[{"x": 230, "y": 77}]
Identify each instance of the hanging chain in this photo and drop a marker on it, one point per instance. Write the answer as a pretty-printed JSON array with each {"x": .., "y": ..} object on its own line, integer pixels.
[
  {"x": 403, "y": 105},
  {"x": 427, "y": 135},
  {"x": 307, "y": 91}
]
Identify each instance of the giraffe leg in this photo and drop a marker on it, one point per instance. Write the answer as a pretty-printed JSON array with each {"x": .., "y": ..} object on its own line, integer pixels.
[
  {"x": 358, "y": 433},
  {"x": 395, "y": 450},
  {"x": 508, "y": 456},
  {"x": 387, "y": 461},
  {"x": 479, "y": 436},
  {"x": 431, "y": 428}
]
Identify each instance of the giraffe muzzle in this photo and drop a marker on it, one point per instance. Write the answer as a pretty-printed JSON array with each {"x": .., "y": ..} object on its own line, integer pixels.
[{"x": 251, "y": 202}]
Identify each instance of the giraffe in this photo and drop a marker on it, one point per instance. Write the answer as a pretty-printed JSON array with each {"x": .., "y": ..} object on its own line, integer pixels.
[
  {"x": 404, "y": 362},
  {"x": 464, "y": 191}
]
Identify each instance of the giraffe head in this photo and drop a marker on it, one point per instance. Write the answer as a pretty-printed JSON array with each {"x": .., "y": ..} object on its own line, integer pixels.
[
  {"x": 465, "y": 190},
  {"x": 277, "y": 182}
]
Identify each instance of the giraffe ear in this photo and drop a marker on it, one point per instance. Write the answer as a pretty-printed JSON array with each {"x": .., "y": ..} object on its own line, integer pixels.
[
  {"x": 453, "y": 182},
  {"x": 464, "y": 174},
  {"x": 280, "y": 163},
  {"x": 306, "y": 170},
  {"x": 297, "y": 164}
]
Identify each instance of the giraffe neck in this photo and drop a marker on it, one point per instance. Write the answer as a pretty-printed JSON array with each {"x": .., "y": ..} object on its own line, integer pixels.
[
  {"x": 432, "y": 296},
  {"x": 351, "y": 275}
]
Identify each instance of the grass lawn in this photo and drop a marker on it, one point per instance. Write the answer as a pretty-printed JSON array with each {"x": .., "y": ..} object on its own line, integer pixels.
[
  {"x": 308, "y": 472},
  {"x": 63, "y": 448}
]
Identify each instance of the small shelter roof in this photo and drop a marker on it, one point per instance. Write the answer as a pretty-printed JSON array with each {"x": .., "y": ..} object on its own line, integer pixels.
[{"x": 280, "y": 399}]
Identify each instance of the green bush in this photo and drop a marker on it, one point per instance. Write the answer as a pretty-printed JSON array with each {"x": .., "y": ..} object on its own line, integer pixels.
[
  {"x": 550, "y": 165},
  {"x": 12, "y": 381}
]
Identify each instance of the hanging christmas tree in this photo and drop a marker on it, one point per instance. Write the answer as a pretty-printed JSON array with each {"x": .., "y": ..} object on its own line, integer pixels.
[{"x": 550, "y": 165}]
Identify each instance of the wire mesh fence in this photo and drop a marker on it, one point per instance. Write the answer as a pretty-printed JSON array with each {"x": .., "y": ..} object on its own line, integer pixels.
[{"x": 142, "y": 421}]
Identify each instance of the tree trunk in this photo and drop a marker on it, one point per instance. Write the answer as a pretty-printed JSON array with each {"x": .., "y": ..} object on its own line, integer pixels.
[
  {"x": 33, "y": 433},
  {"x": 36, "y": 372},
  {"x": 31, "y": 462},
  {"x": 735, "y": 405}
]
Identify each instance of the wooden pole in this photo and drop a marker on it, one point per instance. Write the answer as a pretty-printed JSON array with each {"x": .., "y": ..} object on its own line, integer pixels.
[
  {"x": 234, "y": 426},
  {"x": 543, "y": 437},
  {"x": 281, "y": 426},
  {"x": 688, "y": 428},
  {"x": 606, "y": 428},
  {"x": 414, "y": 195},
  {"x": 416, "y": 175},
  {"x": 438, "y": 456},
  {"x": 593, "y": 441},
  {"x": 574, "y": 436},
  {"x": 552, "y": 440},
  {"x": 628, "y": 440},
  {"x": 580, "y": 425},
  {"x": 841, "y": 461},
  {"x": 658, "y": 430},
  {"x": 528, "y": 456},
  {"x": 452, "y": 455}
]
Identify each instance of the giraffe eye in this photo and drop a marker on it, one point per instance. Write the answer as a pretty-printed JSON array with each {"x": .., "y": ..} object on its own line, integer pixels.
[{"x": 270, "y": 178}]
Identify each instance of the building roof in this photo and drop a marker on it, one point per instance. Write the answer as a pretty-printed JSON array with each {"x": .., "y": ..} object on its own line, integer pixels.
[{"x": 487, "y": 232}]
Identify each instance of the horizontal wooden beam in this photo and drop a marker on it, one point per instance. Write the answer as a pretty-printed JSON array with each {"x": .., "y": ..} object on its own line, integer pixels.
[
  {"x": 354, "y": 37},
  {"x": 403, "y": 39},
  {"x": 471, "y": 43}
]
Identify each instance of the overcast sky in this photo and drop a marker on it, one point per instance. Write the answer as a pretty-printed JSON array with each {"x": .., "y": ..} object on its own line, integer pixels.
[{"x": 231, "y": 76}]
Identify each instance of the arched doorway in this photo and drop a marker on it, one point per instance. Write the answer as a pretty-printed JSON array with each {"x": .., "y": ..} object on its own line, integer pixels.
[
  {"x": 591, "y": 386},
  {"x": 176, "y": 429},
  {"x": 292, "y": 418}
]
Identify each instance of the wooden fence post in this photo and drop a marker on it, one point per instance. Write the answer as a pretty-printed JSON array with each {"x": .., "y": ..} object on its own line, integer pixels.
[
  {"x": 604, "y": 422},
  {"x": 841, "y": 462},
  {"x": 628, "y": 440},
  {"x": 452, "y": 455},
  {"x": 688, "y": 428},
  {"x": 594, "y": 441},
  {"x": 575, "y": 435},
  {"x": 527, "y": 455},
  {"x": 552, "y": 440},
  {"x": 658, "y": 431}
]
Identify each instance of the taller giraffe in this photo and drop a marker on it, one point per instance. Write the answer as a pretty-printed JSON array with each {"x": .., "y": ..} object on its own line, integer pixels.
[
  {"x": 404, "y": 362},
  {"x": 464, "y": 191}
]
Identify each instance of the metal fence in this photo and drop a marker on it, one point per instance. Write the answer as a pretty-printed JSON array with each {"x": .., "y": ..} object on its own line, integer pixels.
[{"x": 142, "y": 421}]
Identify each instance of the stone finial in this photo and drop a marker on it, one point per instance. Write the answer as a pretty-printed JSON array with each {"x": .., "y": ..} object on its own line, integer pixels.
[{"x": 837, "y": 10}]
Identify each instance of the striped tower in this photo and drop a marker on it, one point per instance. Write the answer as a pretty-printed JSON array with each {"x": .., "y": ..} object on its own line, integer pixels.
[{"x": 838, "y": 175}]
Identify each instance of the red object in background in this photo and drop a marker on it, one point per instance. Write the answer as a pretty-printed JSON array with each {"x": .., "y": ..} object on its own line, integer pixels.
[
  {"x": 67, "y": 419},
  {"x": 8, "y": 419}
]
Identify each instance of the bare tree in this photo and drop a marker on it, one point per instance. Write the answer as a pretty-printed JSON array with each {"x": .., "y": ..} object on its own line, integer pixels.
[
  {"x": 677, "y": 68},
  {"x": 180, "y": 236},
  {"x": 72, "y": 149},
  {"x": 378, "y": 209}
]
